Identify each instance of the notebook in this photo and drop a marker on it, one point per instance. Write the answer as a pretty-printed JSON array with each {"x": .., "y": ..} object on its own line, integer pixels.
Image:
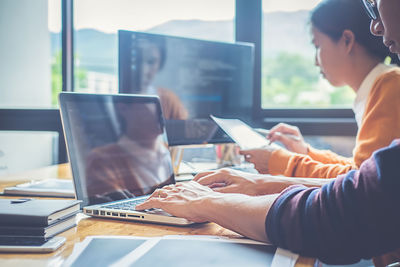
[
  {"x": 35, "y": 212},
  {"x": 44, "y": 232},
  {"x": 48, "y": 188},
  {"x": 119, "y": 154}
]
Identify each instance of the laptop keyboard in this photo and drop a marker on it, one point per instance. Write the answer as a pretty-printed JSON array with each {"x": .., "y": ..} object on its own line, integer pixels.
[{"x": 127, "y": 205}]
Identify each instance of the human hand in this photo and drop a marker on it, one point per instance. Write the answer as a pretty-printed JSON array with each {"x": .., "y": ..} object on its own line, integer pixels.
[
  {"x": 184, "y": 200},
  {"x": 259, "y": 157},
  {"x": 237, "y": 212},
  {"x": 290, "y": 136},
  {"x": 230, "y": 181},
  {"x": 233, "y": 181}
]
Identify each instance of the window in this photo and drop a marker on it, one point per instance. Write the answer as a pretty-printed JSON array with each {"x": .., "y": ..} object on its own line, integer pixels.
[
  {"x": 30, "y": 45},
  {"x": 96, "y": 23},
  {"x": 30, "y": 79},
  {"x": 289, "y": 76}
]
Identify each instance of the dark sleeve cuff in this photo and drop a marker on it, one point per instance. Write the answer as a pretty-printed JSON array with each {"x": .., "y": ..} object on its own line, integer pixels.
[{"x": 273, "y": 219}]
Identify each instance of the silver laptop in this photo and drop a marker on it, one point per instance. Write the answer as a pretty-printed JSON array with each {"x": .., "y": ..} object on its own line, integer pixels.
[{"x": 118, "y": 152}]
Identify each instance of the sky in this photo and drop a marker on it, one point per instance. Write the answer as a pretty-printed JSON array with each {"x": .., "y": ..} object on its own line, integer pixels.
[{"x": 111, "y": 15}]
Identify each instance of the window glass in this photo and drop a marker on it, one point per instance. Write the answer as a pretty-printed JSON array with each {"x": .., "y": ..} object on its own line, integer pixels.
[
  {"x": 342, "y": 145},
  {"x": 19, "y": 151},
  {"x": 30, "y": 33},
  {"x": 30, "y": 48},
  {"x": 290, "y": 78},
  {"x": 97, "y": 22}
]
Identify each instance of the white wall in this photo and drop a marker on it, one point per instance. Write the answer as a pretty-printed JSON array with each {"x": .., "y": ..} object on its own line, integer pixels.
[
  {"x": 20, "y": 151},
  {"x": 25, "y": 54},
  {"x": 25, "y": 80}
]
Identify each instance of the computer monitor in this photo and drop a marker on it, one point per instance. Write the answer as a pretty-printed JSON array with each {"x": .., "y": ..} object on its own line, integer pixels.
[{"x": 193, "y": 78}]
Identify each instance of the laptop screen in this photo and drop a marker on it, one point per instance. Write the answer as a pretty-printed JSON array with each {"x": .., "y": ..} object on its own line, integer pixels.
[{"x": 117, "y": 145}]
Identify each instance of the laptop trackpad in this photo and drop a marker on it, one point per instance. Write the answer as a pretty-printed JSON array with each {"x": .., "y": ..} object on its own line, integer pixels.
[{"x": 158, "y": 212}]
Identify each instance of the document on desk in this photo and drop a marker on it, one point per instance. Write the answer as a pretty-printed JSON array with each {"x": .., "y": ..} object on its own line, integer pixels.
[
  {"x": 177, "y": 251},
  {"x": 48, "y": 188}
]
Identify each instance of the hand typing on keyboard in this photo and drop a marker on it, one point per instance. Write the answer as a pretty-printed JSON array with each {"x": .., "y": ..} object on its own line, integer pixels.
[{"x": 181, "y": 200}]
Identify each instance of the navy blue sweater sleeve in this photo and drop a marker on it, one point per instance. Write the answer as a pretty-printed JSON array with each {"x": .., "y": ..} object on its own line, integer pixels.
[{"x": 355, "y": 217}]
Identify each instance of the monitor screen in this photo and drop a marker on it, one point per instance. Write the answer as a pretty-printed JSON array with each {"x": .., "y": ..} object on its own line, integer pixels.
[
  {"x": 117, "y": 145},
  {"x": 193, "y": 78}
]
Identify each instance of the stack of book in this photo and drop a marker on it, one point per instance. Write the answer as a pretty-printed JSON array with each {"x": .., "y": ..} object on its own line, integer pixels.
[
  {"x": 41, "y": 218},
  {"x": 49, "y": 188}
]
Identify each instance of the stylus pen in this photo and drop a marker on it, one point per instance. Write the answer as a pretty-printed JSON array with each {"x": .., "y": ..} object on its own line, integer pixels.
[{"x": 266, "y": 132}]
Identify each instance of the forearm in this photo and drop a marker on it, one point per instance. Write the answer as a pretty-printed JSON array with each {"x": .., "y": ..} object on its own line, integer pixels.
[
  {"x": 240, "y": 213},
  {"x": 328, "y": 157},
  {"x": 275, "y": 184},
  {"x": 290, "y": 164},
  {"x": 359, "y": 210}
]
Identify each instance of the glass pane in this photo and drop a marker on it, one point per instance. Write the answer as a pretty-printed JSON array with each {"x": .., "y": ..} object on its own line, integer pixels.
[
  {"x": 342, "y": 145},
  {"x": 96, "y": 24},
  {"x": 19, "y": 151},
  {"x": 290, "y": 78},
  {"x": 30, "y": 47},
  {"x": 30, "y": 77}
]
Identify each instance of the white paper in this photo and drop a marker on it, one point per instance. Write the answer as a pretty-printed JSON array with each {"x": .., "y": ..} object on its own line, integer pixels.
[{"x": 284, "y": 258}]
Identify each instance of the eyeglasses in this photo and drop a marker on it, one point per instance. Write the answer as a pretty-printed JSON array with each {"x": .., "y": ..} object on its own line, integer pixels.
[{"x": 371, "y": 8}]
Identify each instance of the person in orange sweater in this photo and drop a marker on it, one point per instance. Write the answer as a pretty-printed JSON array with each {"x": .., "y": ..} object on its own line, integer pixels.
[{"x": 347, "y": 54}]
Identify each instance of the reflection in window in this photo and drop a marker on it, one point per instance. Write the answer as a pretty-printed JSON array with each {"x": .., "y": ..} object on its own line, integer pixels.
[{"x": 96, "y": 24}]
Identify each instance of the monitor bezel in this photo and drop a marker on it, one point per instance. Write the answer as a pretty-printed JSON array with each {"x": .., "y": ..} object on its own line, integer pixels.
[{"x": 221, "y": 139}]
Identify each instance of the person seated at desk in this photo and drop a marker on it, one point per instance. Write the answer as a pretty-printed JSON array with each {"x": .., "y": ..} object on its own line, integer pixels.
[
  {"x": 347, "y": 54},
  {"x": 352, "y": 217},
  {"x": 136, "y": 163}
]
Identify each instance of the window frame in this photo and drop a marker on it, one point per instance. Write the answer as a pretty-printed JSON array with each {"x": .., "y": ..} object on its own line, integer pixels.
[
  {"x": 248, "y": 28},
  {"x": 47, "y": 119},
  {"x": 67, "y": 44},
  {"x": 37, "y": 120},
  {"x": 327, "y": 121}
]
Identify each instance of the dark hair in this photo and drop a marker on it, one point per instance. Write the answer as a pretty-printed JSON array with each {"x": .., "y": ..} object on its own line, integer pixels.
[
  {"x": 332, "y": 17},
  {"x": 161, "y": 44}
]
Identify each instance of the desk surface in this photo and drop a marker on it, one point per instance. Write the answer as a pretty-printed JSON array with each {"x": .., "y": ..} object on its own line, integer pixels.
[{"x": 93, "y": 226}]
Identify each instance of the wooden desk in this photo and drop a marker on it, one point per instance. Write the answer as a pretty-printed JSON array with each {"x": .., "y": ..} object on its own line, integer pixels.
[{"x": 93, "y": 226}]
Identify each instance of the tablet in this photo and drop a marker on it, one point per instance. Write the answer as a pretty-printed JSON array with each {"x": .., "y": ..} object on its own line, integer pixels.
[
  {"x": 30, "y": 244},
  {"x": 241, "y": 133}
]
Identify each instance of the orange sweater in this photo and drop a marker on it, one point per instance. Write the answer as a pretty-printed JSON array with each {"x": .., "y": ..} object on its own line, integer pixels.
[
  {"x": 380, "y": 125},
  {"x": 171, "y": 105}
]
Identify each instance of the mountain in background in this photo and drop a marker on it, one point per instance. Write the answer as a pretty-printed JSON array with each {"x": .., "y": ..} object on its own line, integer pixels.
[{"x": 283, "y": 31}]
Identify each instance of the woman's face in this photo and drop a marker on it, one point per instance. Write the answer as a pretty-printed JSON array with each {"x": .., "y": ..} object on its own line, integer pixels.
[
  {"x": 142, "y": 121},
  {"x": 150, "y": 64},
  {"x": 329, "y": 57},
  {"x": 387, "y": 25}
]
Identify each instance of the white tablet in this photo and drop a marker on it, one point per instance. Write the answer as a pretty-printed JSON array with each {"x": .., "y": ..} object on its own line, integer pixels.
[{"x": 241, "y": 133}]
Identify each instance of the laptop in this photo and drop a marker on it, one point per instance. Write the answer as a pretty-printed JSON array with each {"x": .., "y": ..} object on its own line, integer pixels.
[{"x": 118, "y": 150}]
